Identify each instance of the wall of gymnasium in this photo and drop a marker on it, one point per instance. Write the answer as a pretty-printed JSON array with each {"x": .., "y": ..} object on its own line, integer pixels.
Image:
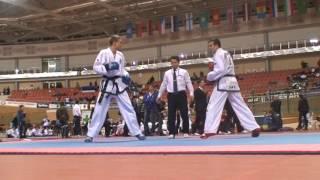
[
  {"x": 142, "y": 77},
  {"x": 6, "y": 85},
  {"x": 30, "y": 64},
  {"x": 81, "y": 60},
  {"x": 30, "y": 85},
  {"x": 294, "y": 34},
  {"x": 293, "y": 61},
  {"x": 82, "y": 53},
  {"x": 7, "y": 65},
  {"x": 83, "y": 82}
]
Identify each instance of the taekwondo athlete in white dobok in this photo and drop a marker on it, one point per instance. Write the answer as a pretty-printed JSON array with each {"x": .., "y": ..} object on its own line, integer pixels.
[
  {"x": 226, "y": 87},
  {"x": 110, "y": 63}
]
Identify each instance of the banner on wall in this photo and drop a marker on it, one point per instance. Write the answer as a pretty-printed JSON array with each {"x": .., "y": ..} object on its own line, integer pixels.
[
  {"x": 42, "y": 105},
  {"x": 54, "y": 106},
  {"x": 17, "y": 104}
]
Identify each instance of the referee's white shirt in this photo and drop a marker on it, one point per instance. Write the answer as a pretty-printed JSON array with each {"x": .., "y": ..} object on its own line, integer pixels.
[
  {"x": 183, "y": 81},
  {"x": 76, "y": 110}
]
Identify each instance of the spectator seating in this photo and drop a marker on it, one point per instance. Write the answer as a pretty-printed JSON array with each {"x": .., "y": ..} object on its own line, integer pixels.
[
  {"x": 257, "y": 83},
  {"x": 50, "y": 95}
]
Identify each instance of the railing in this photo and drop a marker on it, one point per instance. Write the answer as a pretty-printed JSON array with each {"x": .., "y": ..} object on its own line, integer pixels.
[
  {"x": 274, "y": 49},
  {"x": 234, "y": 51}
]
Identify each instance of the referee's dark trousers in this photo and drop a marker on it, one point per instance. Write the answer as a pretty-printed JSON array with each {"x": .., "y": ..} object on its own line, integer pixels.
[{"x": 178, "y": 101}]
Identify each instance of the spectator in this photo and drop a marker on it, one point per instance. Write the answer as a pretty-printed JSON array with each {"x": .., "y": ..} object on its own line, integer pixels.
[
  {"x": 21, "y": 122},
  {"x": 232, "y": 116},
  {"x": 200, "y": 101},
  {"x": 267, "y": 122},
  {"x": 318, "y": 68},
  {"x": 96, "y": 86},
  {"x": 303, "y": 109},
  {"x": 151, "y": 110},
  {"x": 29, "y": 132},
  {"x": 138, "y": 107},
  {"x": 107, "y": 126},
  {"x": 85, "y": 122},
  {"x": 194, "y": 77},
  {"x": 202, "y": 76},
  {"x": 63, "y": 118},
  {"x": 46, "y": 122},
  {"x": 14, "y": 122},
  {"x": 34, "y": 130},
  {"x": 76, "y": 111},
  {"x": 151, "y": 80},
  {"x": 276, "y": 113},
  {"x": 11, "y": 133},
  {"x": 225, "y": 125}
]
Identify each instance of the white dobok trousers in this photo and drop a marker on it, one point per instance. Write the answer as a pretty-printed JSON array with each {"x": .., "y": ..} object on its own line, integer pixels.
[
  {"x": 126, "y": 110},
  {"x": 215, "y": 107}
]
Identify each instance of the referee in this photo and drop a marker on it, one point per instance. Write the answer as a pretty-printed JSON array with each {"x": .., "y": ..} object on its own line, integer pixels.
[{"x": 176, "y": 80}]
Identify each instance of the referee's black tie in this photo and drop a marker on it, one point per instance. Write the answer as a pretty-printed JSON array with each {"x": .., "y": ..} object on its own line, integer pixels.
[{"x": 175, "y": 83}]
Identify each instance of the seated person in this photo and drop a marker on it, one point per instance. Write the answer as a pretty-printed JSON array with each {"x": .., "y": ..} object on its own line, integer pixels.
[{"x": 11, "y": 133}]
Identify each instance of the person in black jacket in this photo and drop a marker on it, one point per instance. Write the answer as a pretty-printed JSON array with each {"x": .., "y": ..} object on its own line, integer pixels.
[
  {"x": 276, "y": 113},
  {"x": 107, "y": 126},
  {"x": 200, "y": 101},
  {"x": 21, "y": 122},
  {"x": 232, "y": 118},
  {"x": 303, "y": 109},
  {"x": 63, "y": 118}
]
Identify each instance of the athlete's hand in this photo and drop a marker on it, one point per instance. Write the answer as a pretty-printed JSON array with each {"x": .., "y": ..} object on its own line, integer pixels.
[{"x": 112, "y": 66}]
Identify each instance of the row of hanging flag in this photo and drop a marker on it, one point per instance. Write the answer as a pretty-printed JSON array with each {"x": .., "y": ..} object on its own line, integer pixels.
[{"x": 264, "y": 9}]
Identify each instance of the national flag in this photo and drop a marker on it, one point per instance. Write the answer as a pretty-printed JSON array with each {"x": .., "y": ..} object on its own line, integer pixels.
[
  {"x": 289, "y": 7},
  {"x": 230, "y": 15},
  {"x": 317, "y": 4},
  {"x": 129, "y": 31},
  {"x": 216, "y": 16},
  {"x": 174, "y": 24},
  {"x": 189, "y": 21},
  {"x": 150, "y": 29},
  {"x": 274, "y": 8},
  {"x": 139, "y": 28},
  {"x": 162, "y": 26},
  {"x": 261, "y": 9},
  {"x": 204, "y": 19},
  {"x": 246, "y": 11},
  {"x": 301, "y": 6}
]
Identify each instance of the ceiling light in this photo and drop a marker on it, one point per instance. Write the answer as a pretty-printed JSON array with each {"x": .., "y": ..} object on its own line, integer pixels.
[
  {"x": 314, "y": 41},
  {"x": 143, "y": 3}
]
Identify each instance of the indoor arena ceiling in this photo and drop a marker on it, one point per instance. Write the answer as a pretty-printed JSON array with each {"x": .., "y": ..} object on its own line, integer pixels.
[{"x": 28, "y": 21}]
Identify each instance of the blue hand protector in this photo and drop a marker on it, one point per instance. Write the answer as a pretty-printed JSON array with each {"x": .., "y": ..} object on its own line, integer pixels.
[
  {"x": 112, "y": 66},
  {"x": 126, "y": 80}
]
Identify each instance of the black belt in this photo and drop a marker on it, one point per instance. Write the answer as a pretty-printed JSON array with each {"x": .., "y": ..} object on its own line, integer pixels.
[
  {"x": 229, "y": 75},
  {"x": 105, "y": 84},
  {"x": 111, "y": 78},
  {"x": 178, "y": 92}
]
